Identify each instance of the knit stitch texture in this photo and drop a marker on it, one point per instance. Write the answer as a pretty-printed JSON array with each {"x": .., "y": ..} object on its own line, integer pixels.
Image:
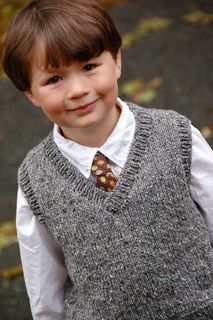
[{"x": 140, "y": 252}]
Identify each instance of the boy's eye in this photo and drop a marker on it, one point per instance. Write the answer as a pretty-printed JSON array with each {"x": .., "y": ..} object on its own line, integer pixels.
[
  {"x": 54, "y": 79},
  {"x": 88, "y": 67}
]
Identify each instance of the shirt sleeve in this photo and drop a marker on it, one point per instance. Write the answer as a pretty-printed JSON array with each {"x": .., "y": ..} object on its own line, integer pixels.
[
  {"x": 201, "y": 185},
  {"x": 42, "y": 260}
]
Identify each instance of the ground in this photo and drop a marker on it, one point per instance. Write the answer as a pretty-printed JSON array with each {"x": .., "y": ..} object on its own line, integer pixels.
[{"x": 167, "y": 63}]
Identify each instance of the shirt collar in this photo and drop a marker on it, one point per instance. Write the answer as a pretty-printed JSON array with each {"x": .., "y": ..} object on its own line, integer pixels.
[{"x": 116, "y": 147}]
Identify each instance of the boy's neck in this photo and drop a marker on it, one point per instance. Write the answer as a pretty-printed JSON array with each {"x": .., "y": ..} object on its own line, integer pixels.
[{"x": 94, "y": 136}]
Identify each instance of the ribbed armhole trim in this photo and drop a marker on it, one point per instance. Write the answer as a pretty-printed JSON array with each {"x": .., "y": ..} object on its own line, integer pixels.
[
  {"x": 186, "y": 144},
  {"x": 25, "y": 185}
]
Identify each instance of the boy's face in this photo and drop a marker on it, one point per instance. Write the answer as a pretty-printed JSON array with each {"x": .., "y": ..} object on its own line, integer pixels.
[{"x": 79, "y": 96}]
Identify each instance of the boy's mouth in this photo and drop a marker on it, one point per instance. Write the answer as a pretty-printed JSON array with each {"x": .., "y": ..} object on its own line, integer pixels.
[
  {"x": 84, "y": 108},
  {"x": 85, "y": 105}
]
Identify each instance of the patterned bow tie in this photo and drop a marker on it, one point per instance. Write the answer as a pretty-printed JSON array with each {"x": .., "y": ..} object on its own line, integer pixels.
[{"x": 101, "y": 169}]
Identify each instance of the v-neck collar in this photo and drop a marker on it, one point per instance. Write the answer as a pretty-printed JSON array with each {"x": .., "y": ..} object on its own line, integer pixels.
[{"x": 85, "y": 188}]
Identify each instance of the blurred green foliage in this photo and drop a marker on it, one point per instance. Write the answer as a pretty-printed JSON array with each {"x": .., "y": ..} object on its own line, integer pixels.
[{"x": 7, "y": 10}]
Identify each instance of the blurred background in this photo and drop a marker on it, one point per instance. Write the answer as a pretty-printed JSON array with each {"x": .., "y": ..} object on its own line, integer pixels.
[{"x": 167, "y": 63}]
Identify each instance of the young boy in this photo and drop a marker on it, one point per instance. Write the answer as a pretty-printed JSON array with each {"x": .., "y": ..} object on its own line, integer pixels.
[{"x": 141, "y": 250}]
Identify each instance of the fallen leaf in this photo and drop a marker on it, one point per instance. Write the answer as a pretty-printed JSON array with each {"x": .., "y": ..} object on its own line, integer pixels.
[
  {"x": 207, "y": 131},
  {"x": 140, "y": 92},
  {"x": 11, "y": 272},
  {"x": 155, "y": 83},
  {"x": 144, "y": 28},
  {"x": 198, "y": 17},
  {"x": 7, "y": 234},
  {"x": 7, "y": 10},
  {"x": 129, "y": 39},
  {"x": 129, "y": 88},
  {"x": 145, "y": 97},
  {"x": 155, "y": 24}
]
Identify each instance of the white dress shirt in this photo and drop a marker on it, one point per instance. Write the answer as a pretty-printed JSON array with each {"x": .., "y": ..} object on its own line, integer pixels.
[{"x": 44, "y": 272}]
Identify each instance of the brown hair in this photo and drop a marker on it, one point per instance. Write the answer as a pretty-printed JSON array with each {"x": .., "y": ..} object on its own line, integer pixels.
[{"x": 69, "y": 30}]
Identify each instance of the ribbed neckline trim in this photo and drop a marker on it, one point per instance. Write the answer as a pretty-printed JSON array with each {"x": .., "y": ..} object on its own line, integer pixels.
[{"x": 86, "y": 188}]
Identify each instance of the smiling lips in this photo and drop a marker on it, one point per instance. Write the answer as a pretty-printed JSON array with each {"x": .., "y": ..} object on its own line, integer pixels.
[{"x": 84, "y": 108}]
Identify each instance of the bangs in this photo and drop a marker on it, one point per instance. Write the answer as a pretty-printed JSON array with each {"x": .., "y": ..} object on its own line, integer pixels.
[
  {"x": 77, "y": 34},
  {"x": 59, "y": 50}
]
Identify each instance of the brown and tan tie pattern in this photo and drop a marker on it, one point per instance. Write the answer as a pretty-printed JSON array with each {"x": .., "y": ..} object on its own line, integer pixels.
[{"x": 101, "y": 169}]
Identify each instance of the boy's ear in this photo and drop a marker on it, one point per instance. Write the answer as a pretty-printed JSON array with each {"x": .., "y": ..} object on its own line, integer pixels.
[
  {"x": 30, "y": 96},
  {"x": 118, "y": 64}
]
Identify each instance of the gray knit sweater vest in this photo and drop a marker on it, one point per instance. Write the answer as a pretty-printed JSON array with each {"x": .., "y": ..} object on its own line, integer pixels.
[{"x": 141, "y": 252}]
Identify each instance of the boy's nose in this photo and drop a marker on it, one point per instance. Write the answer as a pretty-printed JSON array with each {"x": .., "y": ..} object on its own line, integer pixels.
[{"x": 77, "y": 87}]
